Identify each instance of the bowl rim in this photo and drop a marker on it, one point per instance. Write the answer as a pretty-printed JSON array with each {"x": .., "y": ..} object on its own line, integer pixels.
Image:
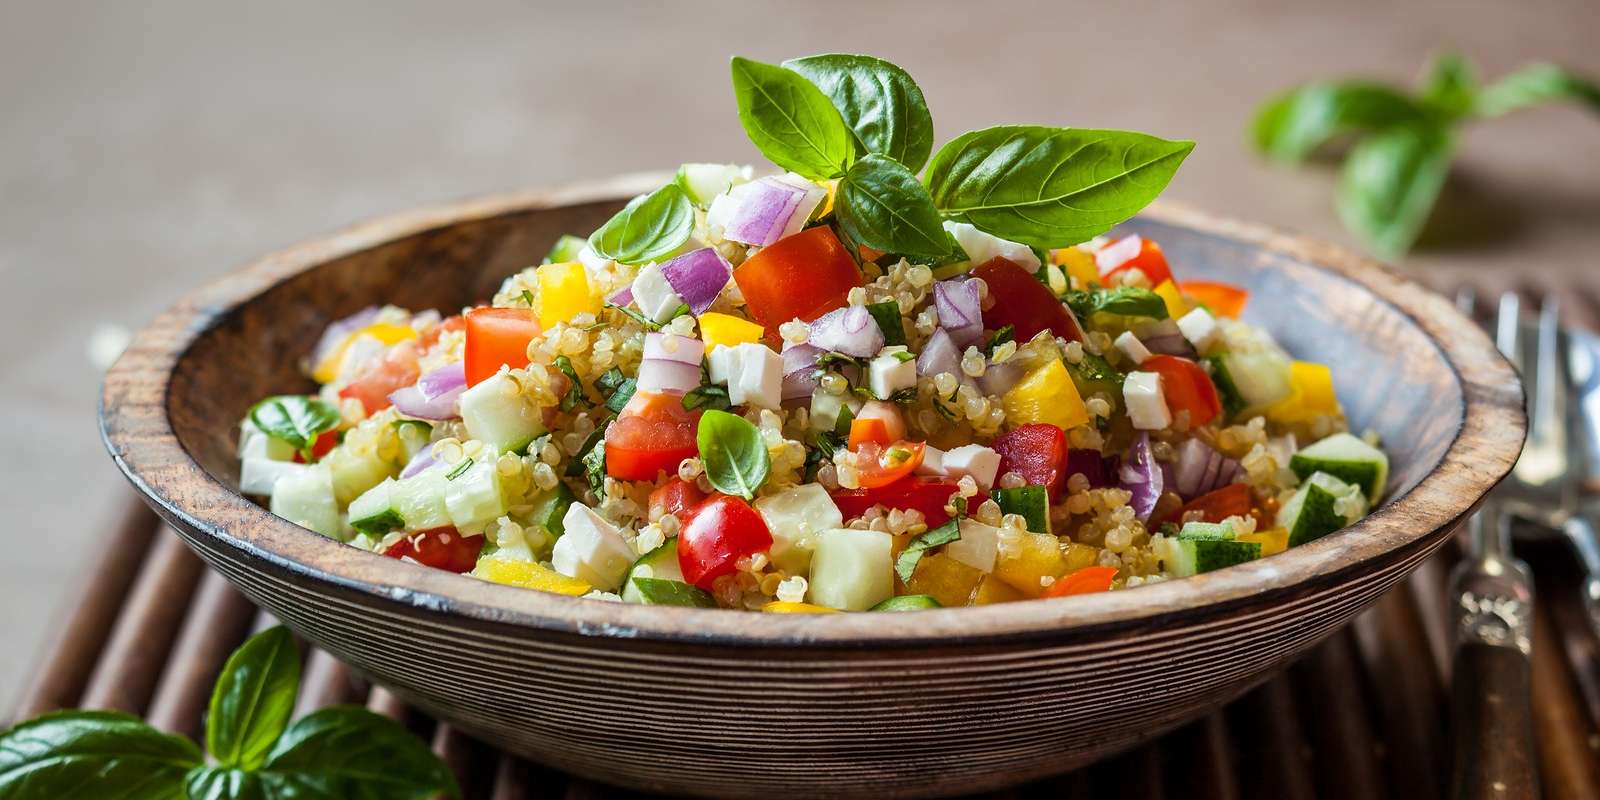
[{"x": 140, "y": 438}]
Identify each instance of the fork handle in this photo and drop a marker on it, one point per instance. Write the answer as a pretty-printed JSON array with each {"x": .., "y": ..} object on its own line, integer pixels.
[{"x": 1492, "y": 720}]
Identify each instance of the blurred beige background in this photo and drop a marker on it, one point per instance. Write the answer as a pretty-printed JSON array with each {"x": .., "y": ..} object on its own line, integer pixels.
[{"x": 148, "y": 147}]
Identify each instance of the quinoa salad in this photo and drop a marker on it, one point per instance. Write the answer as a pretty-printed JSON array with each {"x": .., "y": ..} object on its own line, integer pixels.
[{"x": 832, "y": 384}]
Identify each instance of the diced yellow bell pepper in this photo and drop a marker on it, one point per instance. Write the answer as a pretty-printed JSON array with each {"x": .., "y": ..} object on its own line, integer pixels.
[
  {"x": 528, "y": 575},
  {"x": 1032, "y": 556},
  {"x": 726, "y": 330},
  {"x": 1080, "y": 265},
  {"x": 1310, "y": 395},
  {"x": 1081, "y": 555},
  {"x": 564, "y": 293},
  {"x": 781, "y": 607},
  {"x": 947, "y": 580},
  {"x": 827, "y": 202},
  {"x": 993, "y": 590},
  {"x": 328, "y": 368},
  {"x": 1273, "y": 540},
  {"x": 1047, "y": 394},
  {"x": 1168, "y": 292}
]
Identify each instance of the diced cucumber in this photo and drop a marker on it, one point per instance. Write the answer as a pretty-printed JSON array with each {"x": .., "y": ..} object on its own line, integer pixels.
[
  {"x": 1032, "y": 502},
  {"x": 1184, "y": 558},
  {"x": 978, "y": 547},
  {"x": 1207, "y": 531},
  {"x": 356, "y": 470},
  {"x": 1347, "y": 458},
  {"x": 565, "y": 249},
  {"x": 254, "y": 443},
  {"x": 306, "y": 499},
  {"x": 258, "y": 475},
  {"x": 703, "y": 182},
  {"x": 1314, "y": 509},
  {"x": 1096, "y": 375},
  {"x": 414, "y": 435},
  {"x": 373, "y": 513},
  {"x": 661, "y": 562},
  {"x": 663, "y": 592},
  {"x": 1227, "y": 391},
  {"x": 826, "y": 409},
  {"x": 419, "y": 500},
  {"x": 550, "y": 508},
  {"x": 795, "y": 517},
  {"x": 1260, "y": 377},
  {"x": 852, "y": 570},
  {"x": 473, "y": 497},
  {"x": 499, "y": 415},
  {"x": 908, "y": 602}
]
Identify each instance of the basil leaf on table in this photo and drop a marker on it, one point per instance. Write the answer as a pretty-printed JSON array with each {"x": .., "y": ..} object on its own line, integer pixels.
[
  {"x": 905, "y": 564},
  {"x": 648, "y": 228},
  {"x": 70, "y": 753},
  {"x": 882, "y": 205},
  {"x": 1291, "y": 127},
  {"x": 295, "y": 419},
  {"x": 791, "y": 121},
  {"x": 253, "y": 699},
  {"x": 733, "y": 453},
  {"x": 346, "y": 751},
  {"x": 1537, "y": 84},
  {"x": 1130, "y": 301},
  {"x": 1451, "y": 86},
  {"x": 1050, "y": 187},
  {"x": 1389, "y": 184},
  {"x": 879, "y": 101}
]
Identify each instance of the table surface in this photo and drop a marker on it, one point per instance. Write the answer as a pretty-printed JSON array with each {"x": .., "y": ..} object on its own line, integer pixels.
[{"x": 148, "y": 148}]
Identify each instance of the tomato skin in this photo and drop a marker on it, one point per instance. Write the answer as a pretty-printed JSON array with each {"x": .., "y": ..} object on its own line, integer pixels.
[
  {"x": 1224, "y": 299},
  {"x": 802, "y": 276},
  {"x": 497, "y": 337},
  {"x": 1037, "y": 452},
  {"x": 677, "y": 497},
  {"x": 926, "y": 494},
  {"x": 327, "y": 440},
  {"x": 1233, "y": 500},
  {"x": 396, "y": 370},
  {"x": 1150, "y": 260},
  {"x": 880, "y": 465},
  {"x": 653, "y": 434},
  {"x": 723, "y": 530},
  {"x": 441, "y": 548},
  {"x": 1024, "y": 303},
  {"x": 864, "y": 431},
  {"x": 1082, "y": 581},
  {"x": 1187, "y": 387},
  {"x": 431, "y": 336}
]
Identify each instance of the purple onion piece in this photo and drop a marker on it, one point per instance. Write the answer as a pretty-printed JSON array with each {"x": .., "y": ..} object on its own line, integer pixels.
[
  {"x": 410, "y": 402},
  {"x": 419, "y": 463},
  {"x": 799, "y": 370},
  {"x": 960, "y": 310},
  {"x": 765, "y": 210},
  {"x": 849, "y": 330},
  {"x": 999, "y": 378},
  {"x": 451, "y": 377},
  {"x": 337, "y": 330},
  {"x": 660, "y": 375},
  {"x": 698, "y": 276},
  {"x": 940, "y": 354},
  {"x": 1141, "y": 475},
  {"x": 621, "y": 298}
]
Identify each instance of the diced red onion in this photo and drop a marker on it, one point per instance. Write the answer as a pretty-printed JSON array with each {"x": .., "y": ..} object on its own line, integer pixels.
[
  {"x": 1098, "y": 468},
  {"x": 771, "y": 208},
  {"x": 420, "y": 462},
  {"x": 849, "y": 330},
  {"x": 435, "y": 394},
  {"x": 670, "y": 347},
  {"x": 999, "y": 378},
  {"x": 799, "y": 370},
  {"x": 675, "y": 377},
  {"x": 960, "y": 310},
  {"x": 1141, "y": 475},
  {"x": 698, "y": 277},
  {"x": 451, "y": 377},
  {"x": 939, "y": 354},
  {"x": 1201, "y": 469},
  {"x": 622, "y": 297},
  {"x": 1117, "y": 253},
  {"x": 1165, "y": 338},
  {"x": 339, "y": 329}
]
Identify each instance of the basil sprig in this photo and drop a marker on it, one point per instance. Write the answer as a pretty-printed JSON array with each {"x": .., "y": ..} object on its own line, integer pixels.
[
  {"x": 337, "y": 752},
  {"x": 881, "y": 204},
  {"x": 1393, "y": 174},
  {"x": 648, "y": 228},
  {"x": 733, "y": 452},
  {"x": 791, "y": 121},
  {"x": 882, "y": 105},
  {"x": 295, "y": 419}
]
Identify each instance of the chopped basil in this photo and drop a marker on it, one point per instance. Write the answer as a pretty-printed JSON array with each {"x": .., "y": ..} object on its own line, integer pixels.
[
  {"x": 831, "y": 358},
  {"x": 619, "y": 399},
  {"x": 574, "y": 394},
  {"x": 707, "y": 396},
  {"x": 646, "y": 322},
  {"x": 459, "y": 470},
  {"x": 594, "y": 467},
  {"x": 1005, "y": 334},
  {"x": 734, "y": 454},
  {"x": 590, "y": 444},
  {"x": 527, "y": 297},
  {"x": 904, "y": 396},
  {"x": 295, "y": 419},
  {"x": 906, "y": 563},
  {"x": 887, "y": 315},
  {"x": 1130, "y": 301}
]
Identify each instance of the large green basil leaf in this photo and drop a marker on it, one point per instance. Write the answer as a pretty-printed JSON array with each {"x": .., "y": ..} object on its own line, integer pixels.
[
  {"x": 791, "y": 121},
  {"x": 878, "y": 100},
  {"x": 1537, "y": 84},
  {"x": 100, "y": 754},
  {"x": 295, "y": 419},
  {"x": 253, "y": 699},
  {"x": 1050, "y": 187},
  {"x": 882, "y": 205},
  {"x": 733, "y": 452},
  {"x": 647, "y": 228},
  {"x": 1390, "y": 182},
  {"x": 1292, "y": 126},
  {"x": 225, "y": 783},
  {"x": 350, "y": 753}
]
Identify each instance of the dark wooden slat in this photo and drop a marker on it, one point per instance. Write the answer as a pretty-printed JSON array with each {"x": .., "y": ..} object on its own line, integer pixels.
[
  {"x": 64, "y": 672},
  {"x": 1200, "y": 761},
  {"x": 142, "y": 639},
  {"x": 1429, "y": 588},
  {"x": 1136, "y": 775},
  {"x": 1404, "y": 681},
  {"x": 1568, "y": 744},
  {"x": 218, "y": 621},
  {"x": 1075, "y": 785},
  {"x": 1329, "y": 694},
  {"x": 1270, "y": 741}
]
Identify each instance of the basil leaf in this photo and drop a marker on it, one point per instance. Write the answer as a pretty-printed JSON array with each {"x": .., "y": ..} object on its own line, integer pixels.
[
  {"x": 734, "y": 454},
  {"x": 707, "y": 396},
  {"x": 665, "y": 592},
  {"x": 647, "y": 228},
  {"x": 881, "y": 204},
  {"x": 574, "y": 394},
  {"x": 594, "y": 465},
  {"x": 345, "y": 751},
  {"x": 1389, "y": 184},
  {"x": 887, "y": 315},
  {"x": 878, "y": 100},
  {"x": 905, "y": 564},
  {"x": 565, "y": 249},
  {"x": 1050, "y": 187},
  {"x": 619, "y": 398},
  {"x": 101, "y": 754},
  {"x": 1292, "y": 126},
  {"x": 295, "y": 419},
  {"x": 1130, "y": 301},
  {"x": 790, "y": 121},
  {"x": 225, "y": 783},
  {"x": 1451, "y": 85},
  {"x": 253, "y": 698},
  {"x": 1537, "y": 84}
]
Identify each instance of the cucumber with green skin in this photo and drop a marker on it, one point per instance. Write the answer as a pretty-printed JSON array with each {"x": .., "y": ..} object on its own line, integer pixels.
[
  {"x": 1094, "y": 375},
  {"x": 661, "y": 562},
  {"x": 497, "y": 413},
  {"x": 419, "y": 500},
  {"x": 306, "y": 499},
  {"x": 703, "y": 182},
  {"x": 1206, "y": 531},
  {"x": 1227, "y": 390},
  {"x": 665, "y": 592},
  {"x": 566, "y": 249},
  {"x": 908, "y": 602},
  {"x": 1347, "y": 458},
  {"x": 1313, "y": 511},
  {"x": 1031, "y": 502},
  {"x": 550, "y": 508},
  {"x": 1259, "y": 378},
  {"x": 1212, "y": 554},
  {"x": 373, "y": 513}
]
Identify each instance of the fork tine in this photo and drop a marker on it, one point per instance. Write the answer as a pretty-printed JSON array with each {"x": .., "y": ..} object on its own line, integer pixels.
[
  {"x": 1467, "y": 301},
  {"x": 1549, "y": 390},
  {"x": 1506, "y": 335}
]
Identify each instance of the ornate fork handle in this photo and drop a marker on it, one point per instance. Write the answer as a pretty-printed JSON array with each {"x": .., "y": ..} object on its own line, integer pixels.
[{"x": 1581, "y": 531}]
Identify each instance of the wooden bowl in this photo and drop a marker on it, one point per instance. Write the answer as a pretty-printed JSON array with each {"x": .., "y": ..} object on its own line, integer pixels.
[{"x": 721, "y": 703}]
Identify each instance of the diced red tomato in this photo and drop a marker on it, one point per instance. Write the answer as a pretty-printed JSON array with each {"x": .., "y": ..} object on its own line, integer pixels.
[
  {"x": 1233, "y": 500},
  {"x": 654, "y": 433},
  {"x": 1024, "y": 303},
  {"x": 1150, "y": 260},
  {"x": 1083, "y": 581},
  {"x": 1037, "y": 452},
  {"x": 326, "y": 441},
  {"x": 1187, "y": 387},
  {"x": 497, "y": 337},
  {"x": 863, "y": 431},
  {"x": 677, "y": 497},
  {"x": 440, "y": 548},
  {"x": 723, "y": 530},
  {"x": 1224, "y": 299},
  {"x": 880, "y": 465},
  {"x": 396, "y": 370},
  {"x": 802, "y": 276},
  {"x": 431, "y": 336},
  {"x": 925, "y": 494}
]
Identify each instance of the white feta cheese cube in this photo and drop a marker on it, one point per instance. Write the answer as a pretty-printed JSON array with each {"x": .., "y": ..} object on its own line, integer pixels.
[
  {"x": 654, "y": 295},
  {"x": 980, "y": 462},
  {"x": 1132, "y": 347},
  {"x": 932, "y": 461},
  {"x": 1199, "y": 327},
  {"x": 593, "y": 262},
  {"x": 888, "y": 374},
  {"x": 591, "y": 550},
  {"x": 795, "y": 517},
  {"x": 978, "y": 546},
  {"x": 363, "y": 350},
  {"x": 718, "y": 363},
  {"x": 981, "y": 246},
  {"x": 1146, "y": 403},
  {"x": 755, "y": 376}
]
